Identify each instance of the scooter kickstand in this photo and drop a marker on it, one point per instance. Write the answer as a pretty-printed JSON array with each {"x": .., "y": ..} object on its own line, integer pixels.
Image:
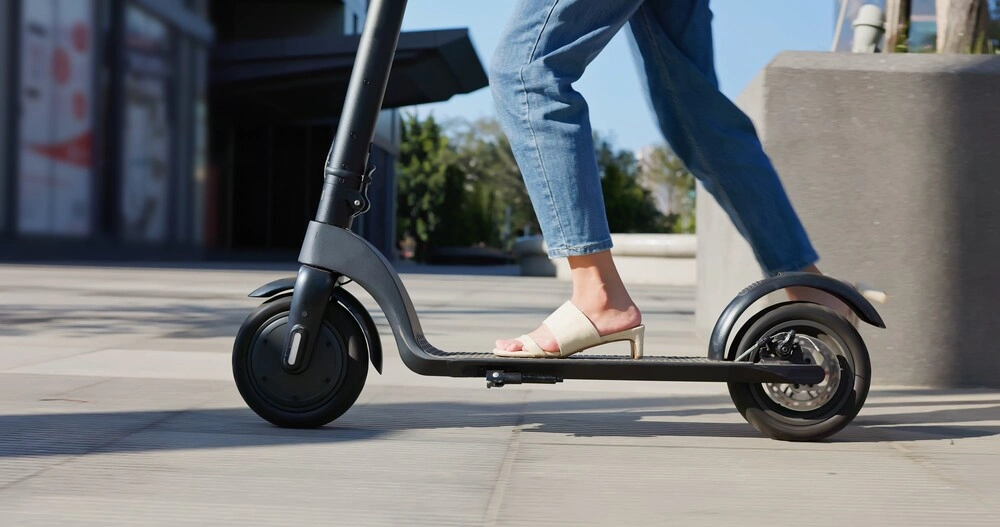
[{"x": 500, "y": 378}]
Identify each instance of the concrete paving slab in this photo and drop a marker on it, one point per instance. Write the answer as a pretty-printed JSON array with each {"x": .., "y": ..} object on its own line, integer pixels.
[
  {"x": 137, "y": 363},
  {"x": 29, "y": 355},
  {"x": 123, "y": 412}
]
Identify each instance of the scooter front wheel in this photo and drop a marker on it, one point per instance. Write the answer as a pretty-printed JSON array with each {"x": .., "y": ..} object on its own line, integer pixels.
[
  {"x": 798, "y": 412},
  {"x": 314, "y": 397}
]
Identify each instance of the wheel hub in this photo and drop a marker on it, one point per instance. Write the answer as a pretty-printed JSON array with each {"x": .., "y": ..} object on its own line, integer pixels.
[
  {"x": 296, "y": 391},
  {"x": 808, "y": 397}
]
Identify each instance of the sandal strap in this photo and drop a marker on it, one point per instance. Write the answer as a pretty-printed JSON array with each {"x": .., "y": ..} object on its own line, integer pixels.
[
  {"x": 530, "y": 348},
  {"x": 571, "y": 329}
]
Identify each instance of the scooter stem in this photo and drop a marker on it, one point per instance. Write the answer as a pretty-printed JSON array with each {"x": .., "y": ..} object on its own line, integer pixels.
[{"x": 347, "y": 174}]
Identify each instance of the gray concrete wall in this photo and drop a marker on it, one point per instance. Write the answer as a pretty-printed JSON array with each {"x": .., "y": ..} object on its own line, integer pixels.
[{"x": 893, "y": 164}]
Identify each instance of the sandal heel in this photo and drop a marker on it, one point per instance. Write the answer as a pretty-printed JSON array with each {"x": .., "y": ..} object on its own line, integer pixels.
[
  {"x": 634, "y": 336},
  {"x": 638, "y": 336}
]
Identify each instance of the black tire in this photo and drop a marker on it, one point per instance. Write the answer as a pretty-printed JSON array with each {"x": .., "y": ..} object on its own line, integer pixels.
[
  {"x": 779, "y": 421},
  {"x": 328, "y": 387}
]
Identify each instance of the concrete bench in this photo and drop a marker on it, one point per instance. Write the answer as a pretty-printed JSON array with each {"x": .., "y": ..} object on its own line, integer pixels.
[{"x": 664, "y": 259}]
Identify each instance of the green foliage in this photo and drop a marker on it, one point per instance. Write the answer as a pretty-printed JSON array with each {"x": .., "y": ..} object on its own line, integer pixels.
[
  {"x": 493, "y": 183},
  {"x": 459, "y": 185},
  {"x": 422, "y": 179},
  {"x": 902, "y": 44},
  {"x": 629, "y": 206},
  {"x": 458, "y": 191},
  {"x": 673, "y": 186}
]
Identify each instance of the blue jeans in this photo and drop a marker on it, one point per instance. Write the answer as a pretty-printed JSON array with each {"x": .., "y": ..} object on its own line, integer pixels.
[{"x": 545, "y": 48}]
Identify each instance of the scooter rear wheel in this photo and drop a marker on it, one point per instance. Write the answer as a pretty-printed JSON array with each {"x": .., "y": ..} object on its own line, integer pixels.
[
  {"x": 793, "y": 412},
  {"x": 326, "y": 389}
]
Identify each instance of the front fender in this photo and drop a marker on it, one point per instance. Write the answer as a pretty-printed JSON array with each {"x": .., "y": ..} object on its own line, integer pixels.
[
  {"x": 846, "y": 293},
  {"x": 284, "y": 286},
  {"x": 273, "y": 288}
]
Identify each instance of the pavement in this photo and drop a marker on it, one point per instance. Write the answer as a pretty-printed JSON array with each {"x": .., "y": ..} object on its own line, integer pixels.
[{"x": 117, "y": 407}]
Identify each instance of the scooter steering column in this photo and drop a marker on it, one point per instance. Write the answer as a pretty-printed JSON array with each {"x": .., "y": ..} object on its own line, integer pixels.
[{"x": 347, "y": 173}]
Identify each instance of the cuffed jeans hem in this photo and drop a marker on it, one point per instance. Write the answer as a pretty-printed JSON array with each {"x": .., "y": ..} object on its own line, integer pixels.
[
  {"x": 579, "y": 250},
  {"x": 796, "y": 265}
]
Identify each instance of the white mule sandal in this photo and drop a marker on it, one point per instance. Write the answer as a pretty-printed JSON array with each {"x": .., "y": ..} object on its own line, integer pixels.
[{"x": 574, "y": 332}]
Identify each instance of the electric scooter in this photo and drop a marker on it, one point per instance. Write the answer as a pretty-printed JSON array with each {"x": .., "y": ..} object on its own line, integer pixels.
[{"x": 795, "y": 370}]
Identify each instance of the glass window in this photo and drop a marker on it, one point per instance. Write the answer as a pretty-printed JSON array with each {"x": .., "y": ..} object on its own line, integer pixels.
[
  {"x": 148, "y": 125},
  {"x": 55, "y": 167}
]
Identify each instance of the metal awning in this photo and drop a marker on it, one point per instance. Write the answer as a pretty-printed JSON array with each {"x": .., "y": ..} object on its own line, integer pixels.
[{"x": 305, "y": 78}]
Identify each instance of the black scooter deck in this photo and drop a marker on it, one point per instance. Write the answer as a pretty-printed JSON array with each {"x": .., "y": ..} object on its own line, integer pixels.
[{"x": 648, "y": 368}]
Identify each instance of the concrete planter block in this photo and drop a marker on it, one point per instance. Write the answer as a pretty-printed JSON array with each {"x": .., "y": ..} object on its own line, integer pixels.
[
  {"x": 655, "y": 245},
  {"x": 531, "y": 256},
  {"x": 891, "y": 163}
]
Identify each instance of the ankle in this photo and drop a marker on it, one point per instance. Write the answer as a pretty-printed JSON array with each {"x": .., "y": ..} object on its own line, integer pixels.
[
  {"x": 600, "y": 297},
  {"x": 596, "y": 282}
]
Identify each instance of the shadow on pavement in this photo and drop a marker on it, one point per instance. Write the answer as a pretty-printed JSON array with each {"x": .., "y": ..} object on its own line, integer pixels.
[{"x": 111, "y": 432}]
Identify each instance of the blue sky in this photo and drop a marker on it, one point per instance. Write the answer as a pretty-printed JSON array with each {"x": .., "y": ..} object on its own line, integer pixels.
[{"x": 748, "y": 34}]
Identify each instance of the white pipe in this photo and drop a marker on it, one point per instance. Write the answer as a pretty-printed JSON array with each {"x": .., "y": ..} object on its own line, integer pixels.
[
  {"x": 868, "y": 29},
  {"x": 840, "y": 25}
]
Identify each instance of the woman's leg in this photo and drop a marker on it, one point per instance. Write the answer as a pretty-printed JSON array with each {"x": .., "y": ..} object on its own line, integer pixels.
[
  {"x": 545, "y": 48},
  {"x": 716, "y": 140},
  {"x": 713, "y": 137}
]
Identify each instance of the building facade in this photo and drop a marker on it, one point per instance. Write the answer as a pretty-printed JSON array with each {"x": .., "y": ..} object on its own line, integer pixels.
[
  {"x": 186, "y": 128},
  {"x": 104, "y": 122}
]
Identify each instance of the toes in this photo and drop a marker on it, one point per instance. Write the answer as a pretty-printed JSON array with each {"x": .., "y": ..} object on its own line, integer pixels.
[{"x": 509, "y": 345}]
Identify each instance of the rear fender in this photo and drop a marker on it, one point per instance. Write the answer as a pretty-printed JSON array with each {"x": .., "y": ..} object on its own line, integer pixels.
[{"x": 845, "y": 292}]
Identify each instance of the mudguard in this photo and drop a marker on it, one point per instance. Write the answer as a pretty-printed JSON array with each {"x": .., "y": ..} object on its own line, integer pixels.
[
  {"x": 283, "y": 287},
  {"x": 754, "y": 292},
  {"x": 273, "y": 288}
]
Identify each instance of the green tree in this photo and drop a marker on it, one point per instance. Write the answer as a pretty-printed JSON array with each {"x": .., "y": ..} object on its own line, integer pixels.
[
  {"x": 458, "y": 185},
  {"x": 497, "y": 200},
  {"x": 672, "y": 185},
  {"x": 629, "y": 206},
  {"x": 422, "y": 179}
]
